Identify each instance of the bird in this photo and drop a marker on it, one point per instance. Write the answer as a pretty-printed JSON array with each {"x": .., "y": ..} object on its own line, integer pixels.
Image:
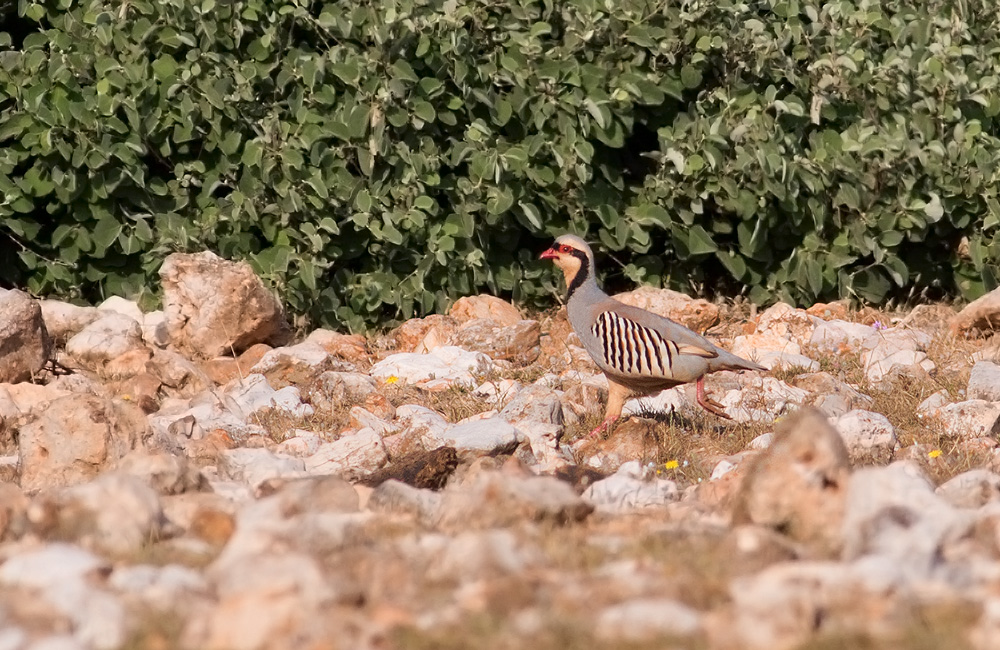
[{"x": 638, "y": 351}]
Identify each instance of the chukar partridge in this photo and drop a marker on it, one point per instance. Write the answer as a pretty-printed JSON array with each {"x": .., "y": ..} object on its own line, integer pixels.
[{"x": 639, "y": 352}]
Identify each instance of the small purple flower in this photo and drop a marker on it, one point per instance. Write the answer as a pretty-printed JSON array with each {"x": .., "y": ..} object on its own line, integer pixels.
[{"x": 877, "y": 325}]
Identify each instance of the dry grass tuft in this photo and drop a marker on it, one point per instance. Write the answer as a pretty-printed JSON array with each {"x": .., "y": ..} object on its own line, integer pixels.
[
  {"x": 280, "y": 425},
  {"x": 554, "y": 632},
  {"x": 527, "y": 375},
  {"x": 942, "y": 625},
  {"x": 579, "y": 429},
  {"x": 788, "y": 373},
  {"x": 456, "y": 403},
  {"x": 163, "y": 553},
  {"x": 156, "y": 630}
]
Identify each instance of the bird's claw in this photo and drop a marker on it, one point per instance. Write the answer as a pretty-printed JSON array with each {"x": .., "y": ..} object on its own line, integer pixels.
[
  {"x": 603, "y": 427},
  {"x": 712, "y": 406},
  {"x": 707, "y": 402}
]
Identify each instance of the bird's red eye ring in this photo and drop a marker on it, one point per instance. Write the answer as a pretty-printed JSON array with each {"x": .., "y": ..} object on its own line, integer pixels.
[{"x": 563, "y": 248}]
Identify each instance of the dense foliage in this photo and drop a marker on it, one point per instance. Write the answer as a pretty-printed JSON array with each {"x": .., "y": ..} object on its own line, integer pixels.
[{"x": 377, "y": 159}]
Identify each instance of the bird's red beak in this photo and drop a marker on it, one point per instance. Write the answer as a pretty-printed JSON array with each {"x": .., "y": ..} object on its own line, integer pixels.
[{"x": 550, "y": 254}]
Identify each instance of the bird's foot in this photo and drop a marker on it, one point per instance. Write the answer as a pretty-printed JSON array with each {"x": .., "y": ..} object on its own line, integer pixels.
[
  {"x": 603, "y": 427},
  {"x": 707, "y": 402}
]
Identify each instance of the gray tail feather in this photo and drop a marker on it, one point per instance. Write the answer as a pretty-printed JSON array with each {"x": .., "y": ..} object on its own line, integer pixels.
[{"x": 729, "y": 361}]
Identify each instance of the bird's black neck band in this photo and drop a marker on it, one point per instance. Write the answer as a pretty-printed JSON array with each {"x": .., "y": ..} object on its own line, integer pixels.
[{"x": 581, "y": 275}]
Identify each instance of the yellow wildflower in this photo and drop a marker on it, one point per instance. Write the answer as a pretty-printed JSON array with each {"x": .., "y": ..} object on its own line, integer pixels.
[
  {"x": 671, "y": 464},
  {"x": 934, "y": 453},
  {"x": 392, "y": 379}
]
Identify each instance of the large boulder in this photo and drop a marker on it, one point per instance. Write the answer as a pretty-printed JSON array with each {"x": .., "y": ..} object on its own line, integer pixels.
[
  {"x": 695, "y": 314},
  {"x": 63, "y": 320},
  {"x": 75, "y": 437},
  {"x": 215, "y": 307},
  {"x": 518, "y": 343},
  {"x": 24, "y": 341},
  {"x": 424, "y": 334},
  {"x": 799, "y": 484},
  {"x": 485, "y": 306},
  {"x": 980, "y": 314},
  {"x": 115, "y": 513},
  {"x": 111, "y": 336}
]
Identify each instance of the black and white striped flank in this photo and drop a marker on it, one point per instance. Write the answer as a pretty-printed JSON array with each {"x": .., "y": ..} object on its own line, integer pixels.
[{"x": 633, "y": 349}]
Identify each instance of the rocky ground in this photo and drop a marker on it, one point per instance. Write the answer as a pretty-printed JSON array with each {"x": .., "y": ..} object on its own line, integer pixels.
[{"x": 201, "y": 478}]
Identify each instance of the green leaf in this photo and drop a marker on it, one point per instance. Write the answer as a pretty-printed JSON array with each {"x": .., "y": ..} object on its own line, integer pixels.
[
  {"x": 307, "y": 273},
  {"x": 934, "y": 210},
  {"x": 649, "y": 214},
  {"x": 349, "y": 72},
  {"x": 500, "y": 200},
  {"x": 891, "y": 238},
  {"x": 595, "y": 112},
  {"x": 814, "y": 276},
  {"x": 252, "y": 153},
  {"x": 700, "y": 242},
  {"x": 402, "y": 70},
  {"x": 690, "y": 76},
  {"x": 105, "y": 231},
  {"x": 357, "y": 123},
  {"x": 391, "y": 234},
  {"x": 870, "y": 284},
  {"x": 424, "y": 110},
  {"x": 363, "y": 201},
  {"x": 532, "y": 215},
  {"x": 734, "y": 263}
]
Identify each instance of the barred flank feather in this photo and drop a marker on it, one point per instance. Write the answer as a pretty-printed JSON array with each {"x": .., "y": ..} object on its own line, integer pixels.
[{"x": 633, "y": 349}]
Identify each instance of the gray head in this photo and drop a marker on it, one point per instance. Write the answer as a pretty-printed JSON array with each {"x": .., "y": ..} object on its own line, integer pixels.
[{"x": 573, "y": 257}]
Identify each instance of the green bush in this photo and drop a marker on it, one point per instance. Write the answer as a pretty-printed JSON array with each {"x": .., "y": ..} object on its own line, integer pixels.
[{"x": 377, "y": 160}]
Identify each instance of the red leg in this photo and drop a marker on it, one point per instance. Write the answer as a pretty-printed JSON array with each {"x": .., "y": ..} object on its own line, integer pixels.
[
  {"x": 617, "y": 394},
  {"x": 603, "y": 426},
  {"x": 707, "y": 402}
]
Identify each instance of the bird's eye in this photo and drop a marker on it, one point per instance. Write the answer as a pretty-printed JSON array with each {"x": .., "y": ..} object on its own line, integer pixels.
[{"x": 565, "y": 249}]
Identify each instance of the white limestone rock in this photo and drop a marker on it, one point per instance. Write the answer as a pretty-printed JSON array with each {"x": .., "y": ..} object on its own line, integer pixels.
[
  {"x": 646, "y": 619},
  {"x": 762, "y": 399},
  {"x": 772, "y": 352},
  {"x": 122, "y": 306},
  {"x": 154, "y": 329},
  {"x": 631, "y": 488},
  {"x": 867, "y": 435},
  {"x": 970, "y": 419},
  {"x": 253, "y": 466},
  {"x": 972, "y": 489},
  {"x": 352, "y": 456},
  {"x": 215, "y": 307},
  {"x": 105, "y": 339},
  {"x": 984, "y": 382},
  {"x": 447, "y": 363},
  {"x": 840, "y": 336},
  {"x": 487, "y": 437},
  {"x": 63, "y": 320}
]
